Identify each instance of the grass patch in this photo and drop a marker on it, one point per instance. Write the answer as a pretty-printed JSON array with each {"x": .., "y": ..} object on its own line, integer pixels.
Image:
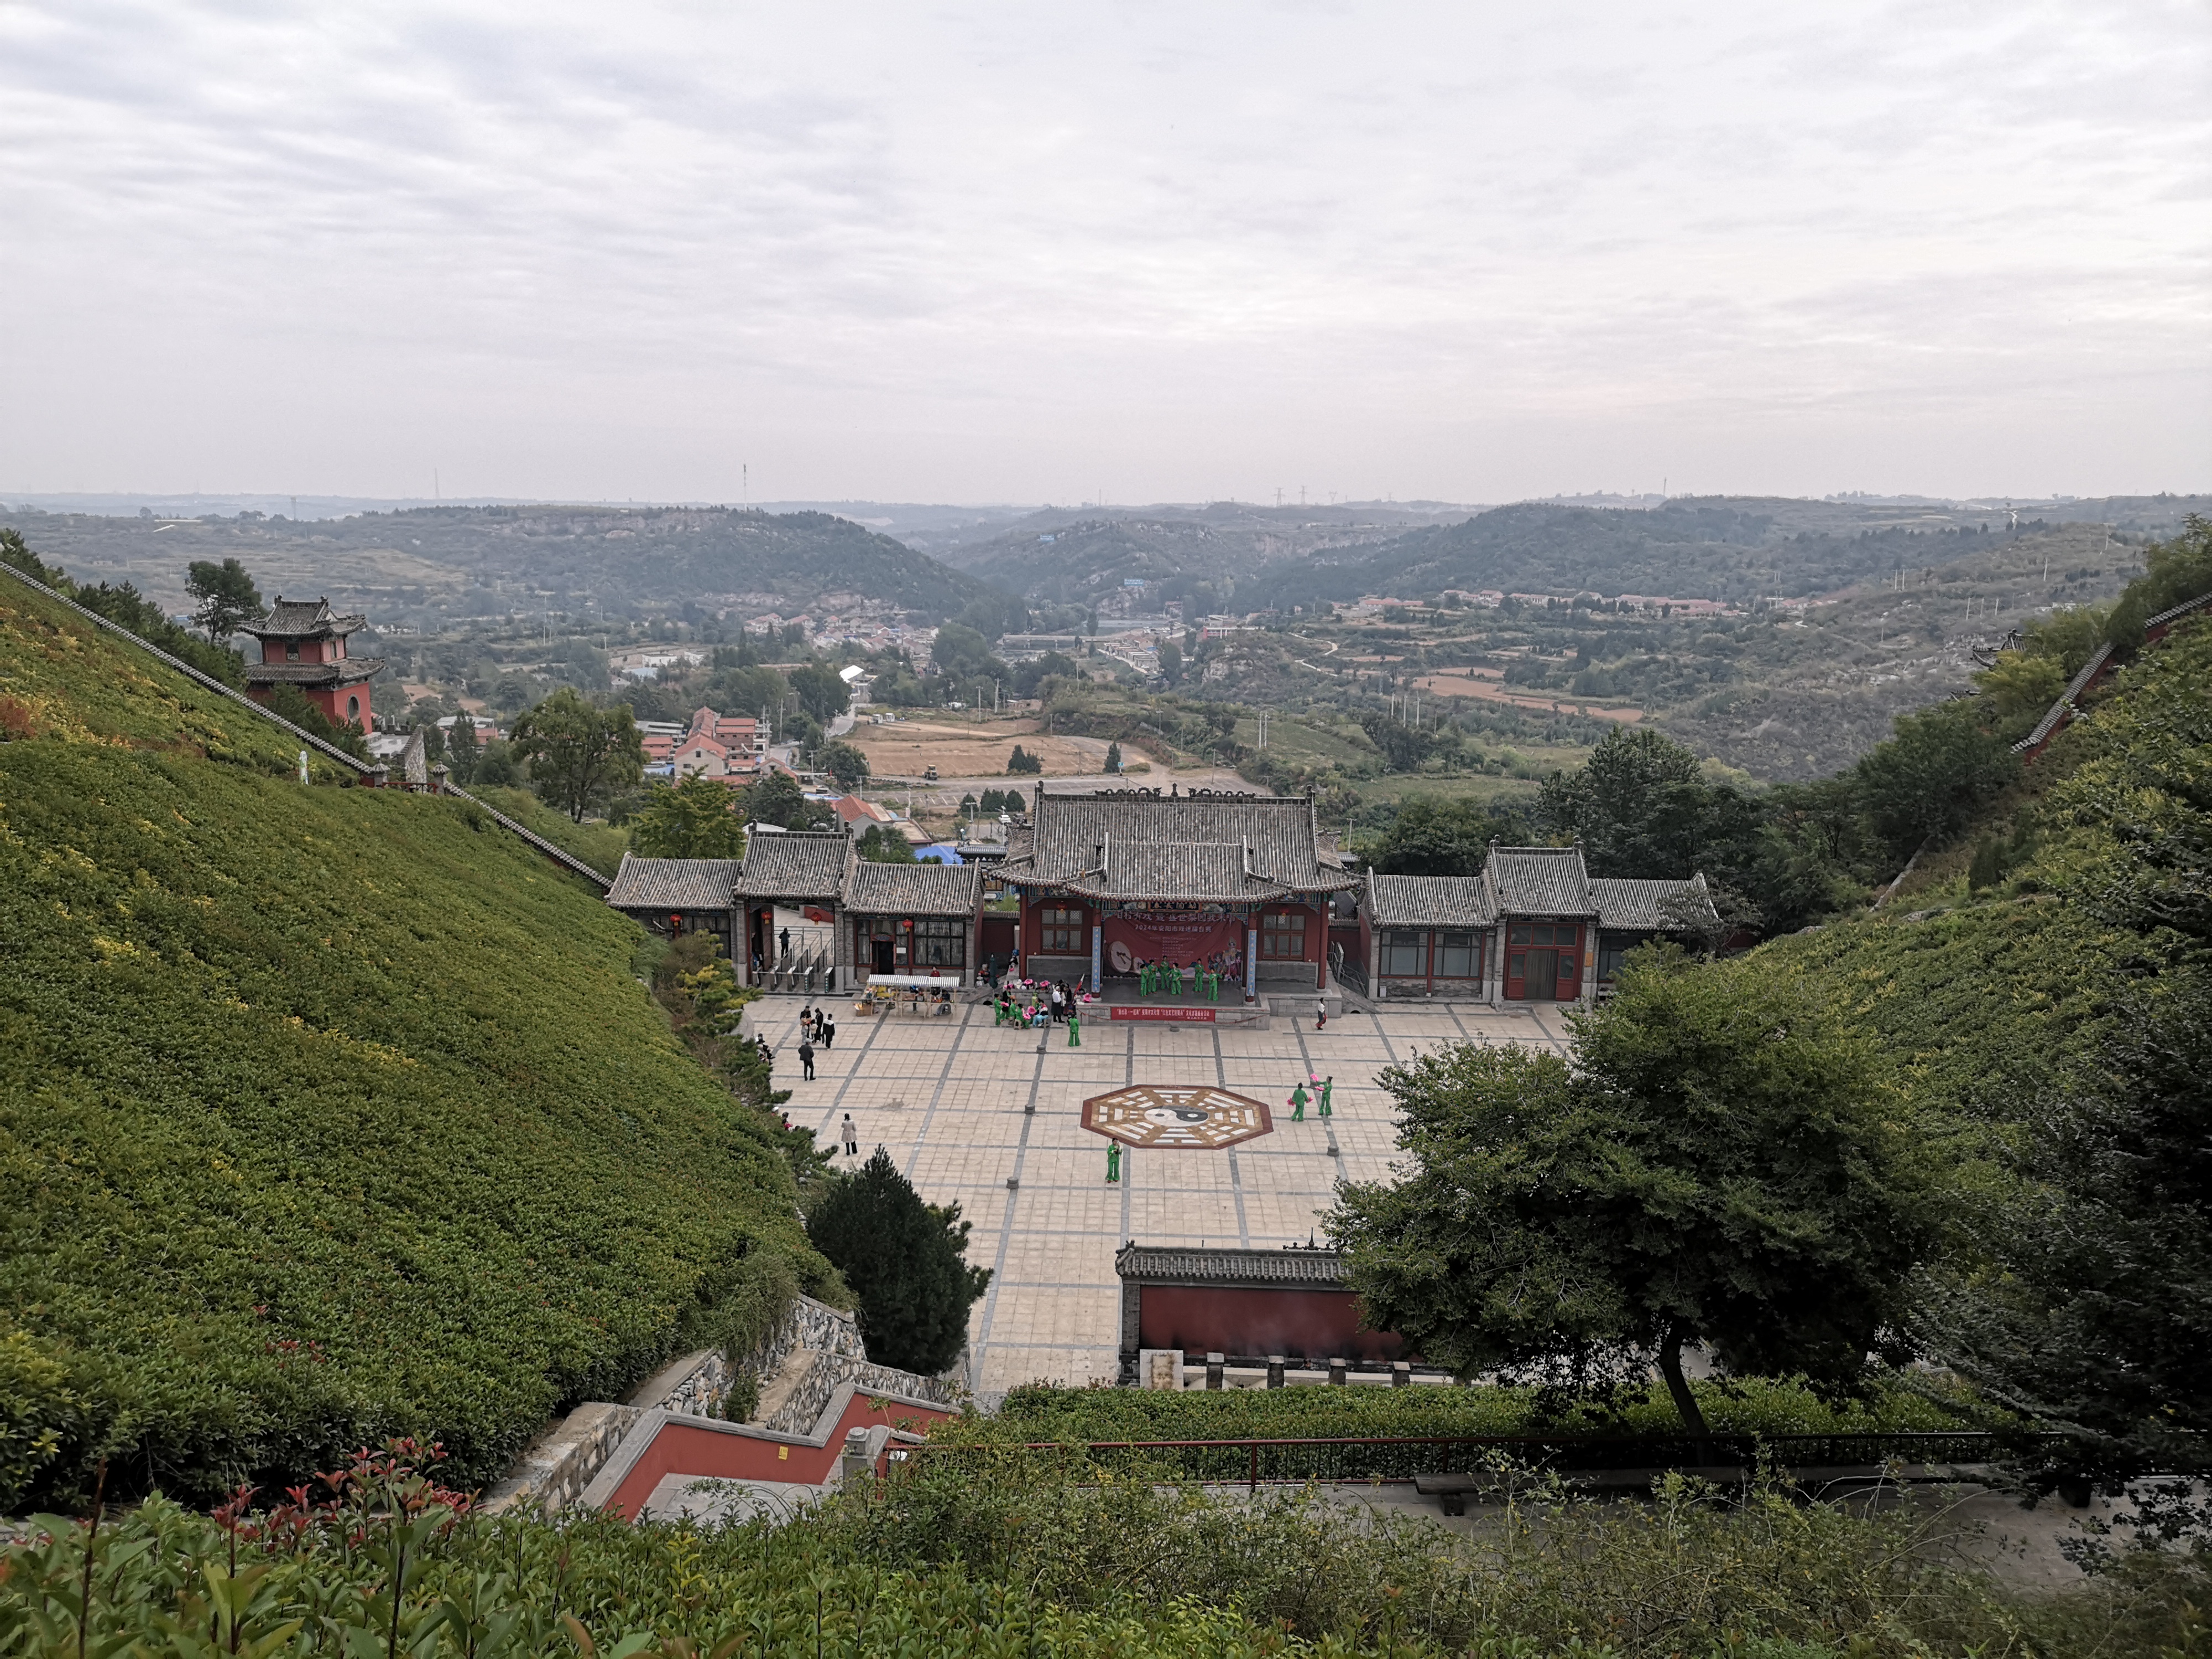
[
  {"x": 325, "y": 1113},
  {"x": 597, "y": 844}
]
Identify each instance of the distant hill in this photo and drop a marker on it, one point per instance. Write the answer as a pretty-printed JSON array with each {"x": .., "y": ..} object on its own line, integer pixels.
[
  {"x": 1695, "y": 548},
  {"x": 491, "y": 561},
  {"x": 1208, "y": 553},
  {"x": 325, "y": 1113}
]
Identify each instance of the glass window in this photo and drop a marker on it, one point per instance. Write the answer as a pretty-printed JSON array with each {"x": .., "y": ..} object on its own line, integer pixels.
[
  {"x": 1542, "y": 936},
  {"x": 1402, "y": 953},
  {"x": 1520, "y": 935},
  {"x": 1063, "y": 933},
  {"x": 1609, "y": 957},
  {"x": 1516, "y": 966},
  {"x": 1457, "y": 956},
  {"x": 1283, "y": 935},
  {"x": 940, "y": 942}
]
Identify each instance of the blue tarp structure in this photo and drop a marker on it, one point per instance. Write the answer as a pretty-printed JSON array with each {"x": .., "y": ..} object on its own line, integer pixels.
[{"x": 938, "y": 852}]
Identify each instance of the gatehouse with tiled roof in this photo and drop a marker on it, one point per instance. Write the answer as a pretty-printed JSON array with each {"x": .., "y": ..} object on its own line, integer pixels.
[{"x": 1111, "y": 880}]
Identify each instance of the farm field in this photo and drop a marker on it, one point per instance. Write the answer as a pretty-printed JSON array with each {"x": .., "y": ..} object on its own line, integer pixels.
[{"x": 971, "y": 751}]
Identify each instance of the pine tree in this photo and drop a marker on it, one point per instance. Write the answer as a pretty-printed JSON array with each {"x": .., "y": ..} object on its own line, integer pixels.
[
  {"x": 1113, "y": 757},
  {"x": 906, "y": 1262}
]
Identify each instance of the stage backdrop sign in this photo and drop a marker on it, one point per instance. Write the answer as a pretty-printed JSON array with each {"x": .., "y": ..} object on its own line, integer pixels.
[{"x": 1180, "y": 937}]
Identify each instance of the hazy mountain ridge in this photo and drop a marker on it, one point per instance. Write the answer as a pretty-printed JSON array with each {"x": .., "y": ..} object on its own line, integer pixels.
[{"x": 428, "y": 562}]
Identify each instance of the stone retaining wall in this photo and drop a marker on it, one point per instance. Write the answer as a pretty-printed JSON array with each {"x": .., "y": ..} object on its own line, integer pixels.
[{"x": 823, "y": 1378}]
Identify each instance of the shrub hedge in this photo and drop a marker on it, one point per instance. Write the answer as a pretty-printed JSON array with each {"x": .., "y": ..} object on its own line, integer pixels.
[
  {"x": 325, "y": 1113},
  {"x": 1040, "y": 1411}
]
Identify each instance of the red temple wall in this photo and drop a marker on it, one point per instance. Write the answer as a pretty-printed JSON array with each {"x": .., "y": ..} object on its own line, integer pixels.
[{"x": 1209, "y": 1319}]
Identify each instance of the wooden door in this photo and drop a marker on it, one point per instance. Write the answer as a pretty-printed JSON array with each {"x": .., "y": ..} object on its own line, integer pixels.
[{"x": 1543, "y": 976}]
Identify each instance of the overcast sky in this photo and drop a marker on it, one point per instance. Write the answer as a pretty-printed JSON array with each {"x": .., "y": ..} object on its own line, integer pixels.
[{"x": 1036, "y": 253}]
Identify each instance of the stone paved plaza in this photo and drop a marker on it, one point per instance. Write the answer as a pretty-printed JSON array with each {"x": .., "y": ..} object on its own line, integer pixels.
[{"x": 950, "y": 1098}]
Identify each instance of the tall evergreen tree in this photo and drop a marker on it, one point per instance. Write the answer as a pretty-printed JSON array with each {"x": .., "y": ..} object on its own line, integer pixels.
[{"x": 907, "y": 1263}]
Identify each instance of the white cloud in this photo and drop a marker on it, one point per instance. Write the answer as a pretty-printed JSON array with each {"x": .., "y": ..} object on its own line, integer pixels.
[{"x": 1002, "y": 251}]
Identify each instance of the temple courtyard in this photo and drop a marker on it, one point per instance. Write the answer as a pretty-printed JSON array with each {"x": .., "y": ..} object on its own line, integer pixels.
[{"x": 992, "y": 1118}]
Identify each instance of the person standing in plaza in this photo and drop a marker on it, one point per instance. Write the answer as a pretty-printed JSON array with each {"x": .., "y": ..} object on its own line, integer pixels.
[
  {"x": 1113, "y": 1161},
  {"x": 806, "y": 1058},
  {"x": 851, "y": 1134},
  {"x": 828, "y": 1029},
  {"x": 1328, "y": 1090},
  {"x": 1320, "y": 1013},
  {"x": 1297, "y": 1105},
  {"x": 1074, "y": 1031}
]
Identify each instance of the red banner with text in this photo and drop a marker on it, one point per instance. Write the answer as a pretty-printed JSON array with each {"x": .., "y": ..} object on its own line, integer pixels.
[{"x": 1133, "y": 937}]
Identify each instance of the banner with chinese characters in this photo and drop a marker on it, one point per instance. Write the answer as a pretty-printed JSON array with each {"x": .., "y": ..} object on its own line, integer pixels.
[{"x": 1183, "y": 938}]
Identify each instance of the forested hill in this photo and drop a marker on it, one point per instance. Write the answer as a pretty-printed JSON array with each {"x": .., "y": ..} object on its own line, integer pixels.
[
  {"x": 325, "y": 1113},
  {"x": 428, "y": 563}
]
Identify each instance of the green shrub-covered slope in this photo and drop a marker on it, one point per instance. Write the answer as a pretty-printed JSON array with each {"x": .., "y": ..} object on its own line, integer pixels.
[{"x": 325, "y": 1113}]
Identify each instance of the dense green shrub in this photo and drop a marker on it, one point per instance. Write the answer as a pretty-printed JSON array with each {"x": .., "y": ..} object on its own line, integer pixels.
[
  {"x": 324, "y": 1113},
  {"x": 1040, "y": 1412},
  {"x": 1019, "y": 1559}
]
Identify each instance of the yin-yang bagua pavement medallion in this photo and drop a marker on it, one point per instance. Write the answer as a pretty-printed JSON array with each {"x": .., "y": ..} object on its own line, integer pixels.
[{"x": 1203, "y": 1119}]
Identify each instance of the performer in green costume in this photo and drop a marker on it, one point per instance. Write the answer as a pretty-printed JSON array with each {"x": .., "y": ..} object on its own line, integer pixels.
[
  {"x": 1113, "y": 1161},
  {"x": 1298, "y": 1105}
]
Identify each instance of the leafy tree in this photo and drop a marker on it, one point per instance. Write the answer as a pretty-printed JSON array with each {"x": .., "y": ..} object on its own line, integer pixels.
[
  {"x": 994, "y": 802},
  {"x": 906, "y": 1262},
  {"x": 842, "y": 762},
  {"x": 579, "y": 753},
  {"x": 1722, "y": 1164},
  {"x": 968, "y": 808},
  {"x": 1436, "y": 838},
  {"x": 745, "y": 688},
  {"x": 1928, "y": 780},
  {"x": 778, "y": 799},
  {"x": 289, "y": 702},
  {"x": 690, "y": 819},
  {"x": 1021, "y": 762},
  {"x": 822, "y": 691},
  {"x": 1113, "y": 757},
  {"x": 2021, "y": 687},
  {"x": 1029, "y": 677},
  {"x": 1171, "y": 662},
  {"x": 224, "y": 598},
  {"x": 961, "y": 655},
  {"x": 461, "y": 749},
  {"x": 495, "y": 768},
  {"x": 1641, "y": 810},
  {"x": 880, "y": 845},
  {"x": 2174, "y": 570}
]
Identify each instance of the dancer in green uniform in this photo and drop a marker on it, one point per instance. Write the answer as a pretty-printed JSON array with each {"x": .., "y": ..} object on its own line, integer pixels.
[
  {"x": 1113, "y": 1161},
  {"x": 1326, "y": 1089},
  {"x": 1074, "y": 1030},
  {"x": 1298, "y": 1105}
]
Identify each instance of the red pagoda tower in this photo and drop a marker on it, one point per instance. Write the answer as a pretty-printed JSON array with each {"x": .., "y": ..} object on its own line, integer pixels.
[{"x": 304, "y": 644}]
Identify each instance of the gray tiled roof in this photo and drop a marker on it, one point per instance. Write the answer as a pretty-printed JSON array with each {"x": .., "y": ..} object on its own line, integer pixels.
[
  {"x": 344, "y": 671},
  {"x": 1139, "y": 843},
  {"x": 1638, "y": 904},
  {"x": 913, "y": 890},
  {"x": 1538, "y": 881},
  {"x": 801, "y": 864},
  {"x": 2181, "y": 610},
  {"x": 302, "y": 619},
  {"x": 673, "y": 883},
  {"x": 1208, "y": 871},
  {"x": 1429, "y": 901},
  {"x": 1156, "y": 1264}
]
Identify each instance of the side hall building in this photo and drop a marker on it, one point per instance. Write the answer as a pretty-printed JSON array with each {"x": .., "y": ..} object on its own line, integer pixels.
[
  {"x": 1534, "y": 927},
  {"x": 1111, "y": 879},
  {"x": 917, "y": 919}
]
